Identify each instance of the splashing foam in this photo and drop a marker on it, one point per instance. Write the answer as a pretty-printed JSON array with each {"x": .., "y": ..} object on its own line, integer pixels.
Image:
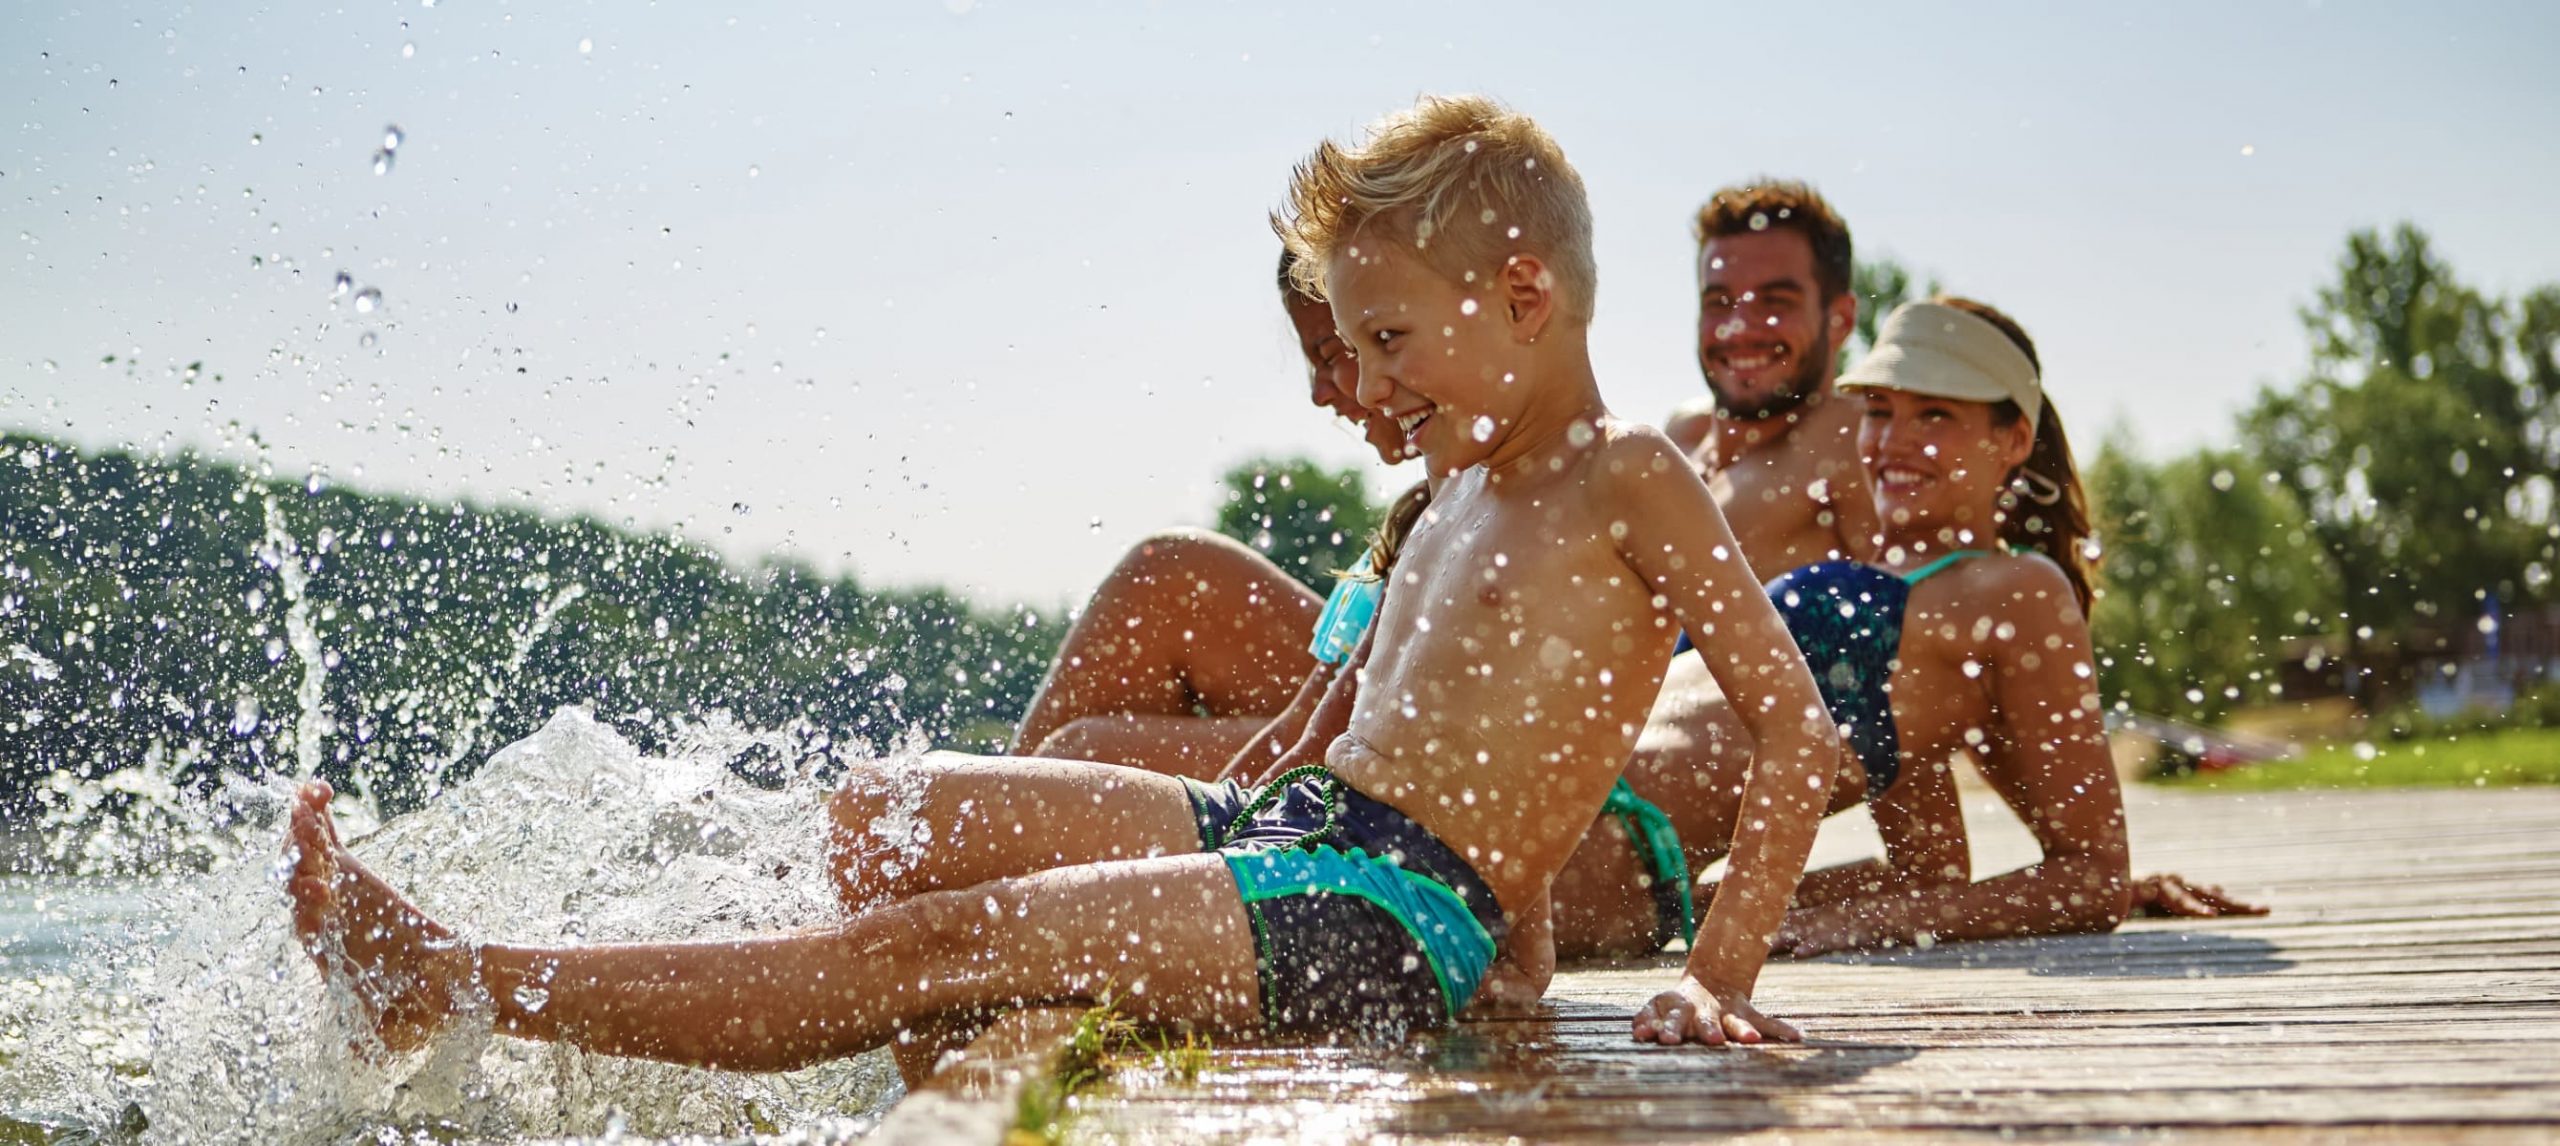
[{"x": 207, "y": 1020}]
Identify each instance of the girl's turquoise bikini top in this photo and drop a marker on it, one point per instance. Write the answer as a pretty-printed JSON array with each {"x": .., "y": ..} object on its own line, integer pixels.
[{"x": 1347, "y": 612}]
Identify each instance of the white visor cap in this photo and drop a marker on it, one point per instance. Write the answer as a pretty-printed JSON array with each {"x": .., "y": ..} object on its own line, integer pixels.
[{"x": 1936, "y": 349}]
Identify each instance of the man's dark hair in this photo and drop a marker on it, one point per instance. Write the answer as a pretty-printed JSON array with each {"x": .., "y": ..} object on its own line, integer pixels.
[{"x": 1783, "y": 205}]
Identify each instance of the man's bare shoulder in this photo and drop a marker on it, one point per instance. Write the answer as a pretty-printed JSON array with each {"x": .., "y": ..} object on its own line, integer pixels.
[
  {"x": 1829, "y": 433},
  {"x": 1690, "y": 423}
]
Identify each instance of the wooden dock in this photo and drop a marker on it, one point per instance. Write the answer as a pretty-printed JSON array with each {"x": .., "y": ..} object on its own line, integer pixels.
[{"x": 2407, "y": 987}]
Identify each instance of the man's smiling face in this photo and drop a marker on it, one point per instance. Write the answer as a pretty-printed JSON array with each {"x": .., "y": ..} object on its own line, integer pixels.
[{"x": 1765, "y": 338}]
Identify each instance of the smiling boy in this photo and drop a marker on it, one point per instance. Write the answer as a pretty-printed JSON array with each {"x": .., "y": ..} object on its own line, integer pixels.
[{"x": 1376, "y": 879}]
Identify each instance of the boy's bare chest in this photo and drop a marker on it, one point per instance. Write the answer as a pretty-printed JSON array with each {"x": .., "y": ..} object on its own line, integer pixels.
[{"x": 1506, "y": 573}]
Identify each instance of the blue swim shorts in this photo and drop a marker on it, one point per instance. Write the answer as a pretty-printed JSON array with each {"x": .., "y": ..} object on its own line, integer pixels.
[{"x": 1363, "y": 922}]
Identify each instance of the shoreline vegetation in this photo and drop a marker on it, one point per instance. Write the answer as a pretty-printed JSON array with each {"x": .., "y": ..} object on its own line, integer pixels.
[
  {"x": 2490, "y": 758},
  {"x": 171, "y": 618}
]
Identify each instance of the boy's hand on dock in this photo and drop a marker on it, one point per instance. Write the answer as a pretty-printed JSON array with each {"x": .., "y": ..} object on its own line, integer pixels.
[{"x": 1696, "y": 1013}]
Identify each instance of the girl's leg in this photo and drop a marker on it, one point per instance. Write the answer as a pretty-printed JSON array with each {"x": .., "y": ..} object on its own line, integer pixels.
[
  {"x": 951, "y": 821},
  {"x": 1189, "y": 620},
  {"x": 1166, "y": 937},
  {"x": 1195, "y": 746}
]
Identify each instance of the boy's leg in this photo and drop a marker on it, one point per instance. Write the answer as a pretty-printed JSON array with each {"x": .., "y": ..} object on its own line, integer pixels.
[
  {"x": 1187, "y": 620},
  {"x": 1167, "y": 937},
  {"x": 951, "y": 821}
]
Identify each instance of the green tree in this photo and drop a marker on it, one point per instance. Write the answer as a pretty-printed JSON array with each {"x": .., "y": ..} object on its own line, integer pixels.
[
  {"x": 1311, "y": 521},
  {"x": 2210, "y": 575},
  {"x": 1881, "y": 284},
  {"x": 2423, "y": 443}
]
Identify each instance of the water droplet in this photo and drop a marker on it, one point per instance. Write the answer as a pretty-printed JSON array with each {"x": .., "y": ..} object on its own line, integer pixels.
[
  {"x": 368, "y": 300},
  {"x": 1094, "y": 525},
  {"x": 529, "y": 997},
  {"x": 741, "y": 508},
  {"x": 368, "y": 339},
  {"x": 408, "y": 50},
  {"x": 382, "y": 162},
  {"x": 753, "y": 171},
  {"x": 256, "y": 139},
  {"x": 1483, "y": 428},
  {"x": 586, "y": 47},
  {"x": 339, "y": 286},
  {"x": 1580, "y": 434},
  {"x": 1467, "y": 307}
]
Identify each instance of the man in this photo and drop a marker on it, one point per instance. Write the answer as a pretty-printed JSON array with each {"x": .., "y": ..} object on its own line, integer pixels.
[{"x": 1779, "y": 449}]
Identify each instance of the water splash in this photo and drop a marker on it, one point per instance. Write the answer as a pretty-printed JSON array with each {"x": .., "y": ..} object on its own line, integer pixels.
[
  {"x": 311, "y": 723},
  {"x": 493, "y": 684},
  {"x": 207, "y": 1022}
]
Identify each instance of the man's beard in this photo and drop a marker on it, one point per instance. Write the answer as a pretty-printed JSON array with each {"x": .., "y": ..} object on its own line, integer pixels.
[{"x": 1786, "y": 399}]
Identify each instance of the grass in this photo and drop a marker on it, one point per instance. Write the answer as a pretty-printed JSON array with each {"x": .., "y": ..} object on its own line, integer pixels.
[
  {"x": 1098, "y": 1046},
  {"x": 2479, "y": 760}
]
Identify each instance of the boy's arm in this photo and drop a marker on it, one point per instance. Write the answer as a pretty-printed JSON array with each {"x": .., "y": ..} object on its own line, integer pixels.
[
  {"x": 1674, "y": 538},
  {"x": 2050, "y": 763}
]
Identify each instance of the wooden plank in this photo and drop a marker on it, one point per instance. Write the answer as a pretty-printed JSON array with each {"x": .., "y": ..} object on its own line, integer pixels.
[{"x": 2407, "y": 989}]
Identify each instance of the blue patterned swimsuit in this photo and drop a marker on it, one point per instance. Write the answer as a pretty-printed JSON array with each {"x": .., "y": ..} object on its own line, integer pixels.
[{"x": 1846, "y": 616}]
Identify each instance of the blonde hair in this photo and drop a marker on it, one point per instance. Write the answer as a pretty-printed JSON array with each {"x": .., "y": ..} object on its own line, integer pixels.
[{"x": 1469, "y": 182}]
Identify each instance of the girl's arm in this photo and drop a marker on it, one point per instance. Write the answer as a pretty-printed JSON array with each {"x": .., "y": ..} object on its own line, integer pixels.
[
  {"x": 2048, "y": 759},
  {"x": 1325, "y": 721},
  {"x": 1277, "y": 737}
]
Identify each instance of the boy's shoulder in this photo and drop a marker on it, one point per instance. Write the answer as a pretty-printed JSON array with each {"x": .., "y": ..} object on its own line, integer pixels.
[
  {"x": 1634, "y": 448},
  {"x": 1635, "y": 471}
]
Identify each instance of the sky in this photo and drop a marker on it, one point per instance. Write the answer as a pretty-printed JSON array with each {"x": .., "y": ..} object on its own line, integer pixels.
[{"x": 979, "y": 293}]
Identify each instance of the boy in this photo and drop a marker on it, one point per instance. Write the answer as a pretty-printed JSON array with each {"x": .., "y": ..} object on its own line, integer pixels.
[{"x": 1501, "y": 691}]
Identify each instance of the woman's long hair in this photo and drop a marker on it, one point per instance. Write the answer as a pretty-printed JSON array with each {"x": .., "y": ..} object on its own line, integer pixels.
[
  {"x": 2058, "y": 528},
  {"x": 1400, "y": 520}
]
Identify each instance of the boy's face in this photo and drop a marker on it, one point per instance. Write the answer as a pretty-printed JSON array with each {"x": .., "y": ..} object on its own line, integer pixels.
[
  {"x": 1333, "y": 378},
  {"x": 1435, "y": 357},
  {"x": 1765, "y": 339}
]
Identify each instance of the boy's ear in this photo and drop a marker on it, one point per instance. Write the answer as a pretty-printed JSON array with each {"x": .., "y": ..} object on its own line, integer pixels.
[{"x": 1527, "y": 292}]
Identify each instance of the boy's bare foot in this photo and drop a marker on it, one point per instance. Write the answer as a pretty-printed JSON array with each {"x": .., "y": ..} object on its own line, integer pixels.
[{"x": 402, "y": 966}]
